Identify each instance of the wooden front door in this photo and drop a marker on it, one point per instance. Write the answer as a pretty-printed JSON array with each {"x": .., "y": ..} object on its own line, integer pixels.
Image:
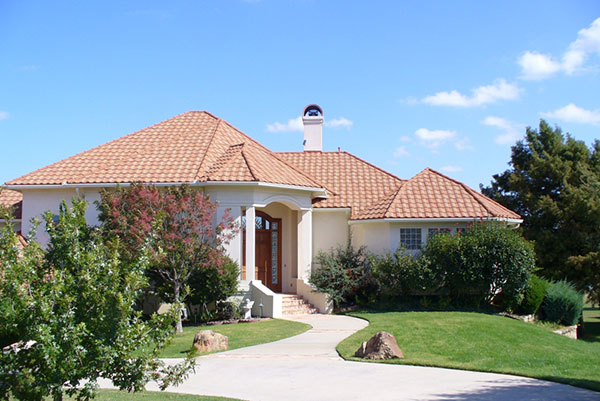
[{"x": 267, "y": 250}]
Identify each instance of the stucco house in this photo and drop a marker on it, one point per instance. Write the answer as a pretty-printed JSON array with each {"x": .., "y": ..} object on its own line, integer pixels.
[{"x": 300, "y": 202}]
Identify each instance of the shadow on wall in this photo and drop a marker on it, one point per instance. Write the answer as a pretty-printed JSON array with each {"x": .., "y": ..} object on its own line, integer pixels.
[{"x": 539, "y": 391}]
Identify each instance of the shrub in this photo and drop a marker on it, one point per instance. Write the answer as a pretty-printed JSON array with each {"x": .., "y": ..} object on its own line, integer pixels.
[
  {"x": 563, "y": 304},
  {"x": 227, "y": 310},
  {"x": 345, "y": 275},
  {"x": 213, "y": 284},
  {"x": 478, "y": 265},
  {"x": 401, "y": 274},
  {"x": 535, "y": 291}
]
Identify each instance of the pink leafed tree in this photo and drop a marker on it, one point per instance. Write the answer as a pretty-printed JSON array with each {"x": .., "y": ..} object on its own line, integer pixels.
[{"x": 180, "y": 224}]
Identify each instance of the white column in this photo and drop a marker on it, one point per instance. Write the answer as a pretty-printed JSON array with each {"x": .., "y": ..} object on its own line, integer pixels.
[
  {"x": 234, "y": 248},
  {"x": 250, "y": 242},
  {"x": 304, "y": 244}
]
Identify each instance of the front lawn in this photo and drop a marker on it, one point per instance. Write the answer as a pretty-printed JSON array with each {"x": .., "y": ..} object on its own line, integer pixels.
[
  {"x": 240, "y": 335},
  {"x": 481, "y": 342},
  {"x": 114, "y": 395}
]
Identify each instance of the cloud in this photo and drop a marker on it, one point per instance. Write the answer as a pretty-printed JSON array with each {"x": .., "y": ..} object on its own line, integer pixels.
[
  {"x": 511, "y": 131},
  {"x": 464, "y": 144},
  {"x": 451, "y": 169},
  {"x": 295, "y": 124},
  {"x": 341, "y": 122},
  {"x": 572, "y": 113},
  {"x": 4, "y": 115},
  {"x": 434, "y": 138},
  {"x": 538, "y": 66},
  {"x": 401, "y": 152},
  {"x": 499, "y": 90}
]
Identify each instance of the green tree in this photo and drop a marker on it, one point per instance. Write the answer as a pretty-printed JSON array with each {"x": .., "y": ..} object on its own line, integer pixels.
[
  {"x": 71, "y": 308},
  {"x": 180, "y": 220},
  {"x": 554, "y": 183}
]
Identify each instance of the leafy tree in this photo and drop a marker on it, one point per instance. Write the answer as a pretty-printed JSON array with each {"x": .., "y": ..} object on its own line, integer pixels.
[
  {"x": 181, "y": 223},
  {"x": 72, "y": 310},
  {"x": 554, "y": 183}
]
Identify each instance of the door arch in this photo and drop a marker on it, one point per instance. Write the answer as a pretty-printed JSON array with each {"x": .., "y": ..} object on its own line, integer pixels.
[{"x": 267, "y": 250}]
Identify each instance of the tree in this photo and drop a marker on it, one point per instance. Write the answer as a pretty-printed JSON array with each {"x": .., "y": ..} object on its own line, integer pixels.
[
  {"x": 554, "y": 183},
  {"x": 181, "y": 223},
  {"x": 71, "y": 308}
]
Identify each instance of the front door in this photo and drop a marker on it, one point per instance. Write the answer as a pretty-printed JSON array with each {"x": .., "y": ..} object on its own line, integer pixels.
[{"x": 268, "y": 250}]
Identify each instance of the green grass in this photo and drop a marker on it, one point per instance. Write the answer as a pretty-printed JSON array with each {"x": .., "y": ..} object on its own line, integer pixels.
[
  {"x": 114, "y": 395},
  {"x": 591, "y": 319},
  {"x": 481, "y": 342},
  {"x": 240, "y": 335}
]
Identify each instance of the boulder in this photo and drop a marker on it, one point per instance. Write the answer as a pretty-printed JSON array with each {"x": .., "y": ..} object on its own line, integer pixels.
[
  {"x": 208, "y": 341},
  {"x": 382, "y": 345}
]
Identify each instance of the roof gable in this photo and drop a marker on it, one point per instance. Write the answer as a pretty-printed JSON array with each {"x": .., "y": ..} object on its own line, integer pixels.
[
  {"x": 431, "y": 194},
  {"x": 12, "y": 199}
]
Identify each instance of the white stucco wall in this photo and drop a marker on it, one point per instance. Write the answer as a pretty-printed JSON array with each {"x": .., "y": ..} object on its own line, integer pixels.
[
  {"x": 375, "y": 236},
  {"x": 37, "y": 202},
  {"x": 330, "y": 229}
]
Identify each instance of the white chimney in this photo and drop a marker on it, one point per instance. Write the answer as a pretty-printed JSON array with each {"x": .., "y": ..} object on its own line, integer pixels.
[{"x": 312, "y": 118}]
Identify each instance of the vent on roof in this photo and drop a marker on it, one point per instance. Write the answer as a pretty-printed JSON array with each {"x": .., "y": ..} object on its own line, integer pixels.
[{"x": 312, "y": 118}]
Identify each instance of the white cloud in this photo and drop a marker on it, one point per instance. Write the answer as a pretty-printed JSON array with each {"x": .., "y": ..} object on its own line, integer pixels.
[
  {"x": 341, "y": 122},
  {"x": 451, "y": 169},
  {"x": 434, "y": 138},
  {"x": 293, "y": 124},
  {"x": 511, "y": 131},
  {"x": 572, "y": 113},
  {"x": 4, "y": 115},
  {"x": 537, "y": 66},
  {"x": 464, "y": 144},
  {"x": 499, "y": 90},
  {"x": 401, "y": 152}
]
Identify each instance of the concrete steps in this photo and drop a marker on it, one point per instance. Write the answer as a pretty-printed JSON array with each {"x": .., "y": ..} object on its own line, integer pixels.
[{"x": 294, "y": 305}]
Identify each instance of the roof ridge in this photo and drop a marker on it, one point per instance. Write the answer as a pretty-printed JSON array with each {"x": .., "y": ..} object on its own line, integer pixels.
[
  {"x": 109, "y": 142},
  {"x": 228, "y": 161},
  {"x": 214, "y": 133},
  {"x": 392, "y": 195},
  {"x": 370, "y": 164},
  {"x": 466, "y": 187},
  {"x": 248, "y": 164},
  {"x": 274, "y": 154}
]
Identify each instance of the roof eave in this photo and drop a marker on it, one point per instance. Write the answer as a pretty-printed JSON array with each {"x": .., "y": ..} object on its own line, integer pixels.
[{"x": 435, "y": 220}]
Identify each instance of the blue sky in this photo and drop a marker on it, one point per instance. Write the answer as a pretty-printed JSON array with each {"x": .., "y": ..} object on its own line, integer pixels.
[{"x": 404, "y": 85}]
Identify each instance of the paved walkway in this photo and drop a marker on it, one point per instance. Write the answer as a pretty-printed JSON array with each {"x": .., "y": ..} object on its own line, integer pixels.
[{"x": 307, "y": 367}]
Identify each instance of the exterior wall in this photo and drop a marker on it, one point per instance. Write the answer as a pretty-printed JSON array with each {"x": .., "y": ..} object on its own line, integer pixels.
[
  {"x": 330, "y": 229},
  {"x": 395, "y": 230},
  {"x": 375, "y": 236},
  {"x": 37, "y": 202}
]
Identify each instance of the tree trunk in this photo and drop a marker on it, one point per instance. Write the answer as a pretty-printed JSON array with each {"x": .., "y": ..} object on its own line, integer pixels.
[{"x": 179, "y": 324}]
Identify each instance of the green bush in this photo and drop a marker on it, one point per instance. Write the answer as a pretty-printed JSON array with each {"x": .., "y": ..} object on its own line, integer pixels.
[
  {"x": 535, "y": 291},
  {"x": 345, "y": 275},
  {"x": 214, "y": 283},
  {"x": 563, "y": 304},
  {"x": 487, "y": 260},
  {"x": 401, "y": 274}
]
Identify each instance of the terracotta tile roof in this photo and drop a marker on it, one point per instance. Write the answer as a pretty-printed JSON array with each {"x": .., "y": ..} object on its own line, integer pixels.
[
  {"x": 12, "y": 199},
  {"x": 194, "y": 146},
  {"x": 354, "y": 182},
  {"x": 430, "y": 194}
]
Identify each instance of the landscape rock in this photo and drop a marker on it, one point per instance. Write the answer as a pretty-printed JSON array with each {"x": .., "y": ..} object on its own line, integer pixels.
[
  {"x": 208, "y": 341},
  {"x": 382, "y": 345}
]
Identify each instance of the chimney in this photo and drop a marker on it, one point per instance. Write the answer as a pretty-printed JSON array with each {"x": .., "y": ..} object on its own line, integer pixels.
[{"x": 312, "y": 118}]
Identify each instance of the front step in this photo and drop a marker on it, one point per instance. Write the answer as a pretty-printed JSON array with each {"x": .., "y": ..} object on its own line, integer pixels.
[{"x": 293, "y": 305}]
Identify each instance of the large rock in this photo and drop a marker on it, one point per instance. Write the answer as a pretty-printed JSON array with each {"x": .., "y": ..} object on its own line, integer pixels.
[
  {"x": 382, "y": 345},
  {"x": 208, "y": 340}
]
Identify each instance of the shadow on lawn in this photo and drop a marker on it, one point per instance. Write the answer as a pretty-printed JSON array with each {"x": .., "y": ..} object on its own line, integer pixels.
[
  {"x": 537, "y": 391},
  {"x": 592, "y": 328}
]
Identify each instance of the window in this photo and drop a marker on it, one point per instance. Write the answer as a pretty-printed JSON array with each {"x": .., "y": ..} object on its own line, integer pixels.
[
  {"x": 410, "y": 238},
  {"x": 438, "y": 230},
  {"x": 460, "y": 230}
]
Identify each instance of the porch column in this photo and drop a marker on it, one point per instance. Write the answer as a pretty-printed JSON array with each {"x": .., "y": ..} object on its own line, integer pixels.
[
  {"x": 234, "y": 247},
  {"x": 250, "y": 242},
  {"x": 304, "y": 244}
]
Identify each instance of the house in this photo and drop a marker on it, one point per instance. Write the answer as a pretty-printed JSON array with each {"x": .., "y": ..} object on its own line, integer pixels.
[
  {"x": 14, "y": 200},
  {"x": 300, "y": 202}
]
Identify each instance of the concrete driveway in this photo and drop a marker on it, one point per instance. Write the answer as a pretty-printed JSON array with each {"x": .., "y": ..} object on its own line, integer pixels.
[{"x": 307, "y": 367}]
